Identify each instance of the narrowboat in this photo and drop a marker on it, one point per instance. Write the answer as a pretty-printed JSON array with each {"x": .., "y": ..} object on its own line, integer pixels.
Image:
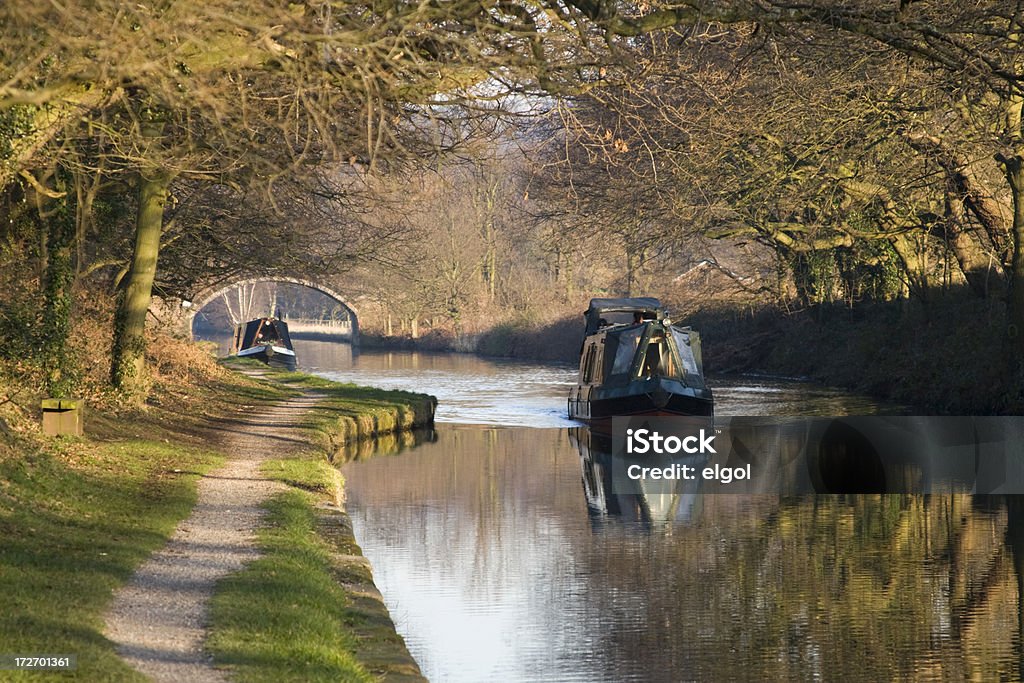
[
  {"x": 265, "y": 339},
  {"x": 634, "y": 361}
]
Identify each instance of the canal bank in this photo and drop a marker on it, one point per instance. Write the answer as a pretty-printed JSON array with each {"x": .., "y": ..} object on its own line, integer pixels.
[
  {"x": 329, "y": 621},
  {"x": 79, "y": 515}
]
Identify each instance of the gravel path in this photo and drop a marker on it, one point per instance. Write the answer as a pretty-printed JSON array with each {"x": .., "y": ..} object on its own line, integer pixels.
[{"x": 158, "y": 620}]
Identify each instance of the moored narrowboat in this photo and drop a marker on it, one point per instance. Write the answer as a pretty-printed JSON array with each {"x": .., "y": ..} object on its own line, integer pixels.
[{"x": 265, "y": 339}]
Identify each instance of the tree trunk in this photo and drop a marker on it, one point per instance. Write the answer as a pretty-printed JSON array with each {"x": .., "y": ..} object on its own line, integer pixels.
[
  {"x": 492, "y": 269},
  {"x": 629, "y": 272},
  {"x": 128, "y": 371},
  {"x": 489, "y": 262},
  {"x": 962, "y": 180},
  {"x": 1014, "y": 167},
  {"x": 235, "y": 318},
  {"x": 909, "y": 256},
  {"x": 57, "y": 301},
  {"x": 984, "y": 275},
  {"x": 803, "y": 281}
]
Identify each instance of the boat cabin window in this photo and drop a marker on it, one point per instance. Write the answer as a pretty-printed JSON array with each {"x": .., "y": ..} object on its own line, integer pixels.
[
  {"x": 686, "y": 354},
  {"x": 626, "y": 343},
  {"x": 589, "y": 361},
  {"x": 266, "y": 335},
  {"x": 617, "y": 318}
]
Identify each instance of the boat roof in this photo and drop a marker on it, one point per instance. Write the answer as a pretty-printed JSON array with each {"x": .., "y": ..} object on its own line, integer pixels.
[
  {"x": 639, "y": 304},
  {"x": 629, "y": 304}
]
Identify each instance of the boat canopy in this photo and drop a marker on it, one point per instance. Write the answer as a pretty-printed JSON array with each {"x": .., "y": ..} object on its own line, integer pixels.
[
  {"x": 604, "y": 312},
  {"x": 651, "y": 349},
  {"x": 262, "y": 331}
]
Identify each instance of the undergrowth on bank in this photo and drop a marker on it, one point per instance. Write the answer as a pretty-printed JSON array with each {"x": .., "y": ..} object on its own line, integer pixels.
[{"x": 944, "y": 358}]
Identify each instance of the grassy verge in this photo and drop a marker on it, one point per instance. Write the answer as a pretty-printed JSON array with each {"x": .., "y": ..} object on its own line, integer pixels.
[
  {"x": 347, "y": 413},
  {"x": 77, "y": 516},
  {"x": 307, "y": 610},
  {"x": 349, "y": 421},
  {"x": 284, "y": 617}
]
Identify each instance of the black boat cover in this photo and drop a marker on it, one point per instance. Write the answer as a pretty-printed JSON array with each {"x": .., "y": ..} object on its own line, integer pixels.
[
  {"x": 601, "y": 311},
  {"x": 262, "y": 331}
]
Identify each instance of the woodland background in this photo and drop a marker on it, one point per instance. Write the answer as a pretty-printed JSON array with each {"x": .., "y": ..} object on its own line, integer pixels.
[{"x": 832, "y": 188}]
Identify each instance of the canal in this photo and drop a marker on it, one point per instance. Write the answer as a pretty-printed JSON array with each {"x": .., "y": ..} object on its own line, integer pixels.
[{"x": 500, "y": 559}]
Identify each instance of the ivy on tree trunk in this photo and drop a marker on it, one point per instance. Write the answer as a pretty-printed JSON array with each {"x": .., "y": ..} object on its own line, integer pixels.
[
  {"x": 129, "y": 366},
  {"x": 58, "y": 364}
]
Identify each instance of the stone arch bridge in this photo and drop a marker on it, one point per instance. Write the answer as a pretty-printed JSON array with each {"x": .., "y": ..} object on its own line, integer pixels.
[{"x": 207, "y": 295}]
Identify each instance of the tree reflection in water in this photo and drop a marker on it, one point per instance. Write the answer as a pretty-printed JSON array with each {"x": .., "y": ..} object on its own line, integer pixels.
[{"x": 483, "y": 538}]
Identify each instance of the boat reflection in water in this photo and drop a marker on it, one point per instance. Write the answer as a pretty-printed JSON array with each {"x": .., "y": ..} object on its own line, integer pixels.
[
  {"x": 799, "y": 457},
  {"x": 643, "y": 503},
  {"x": 496, "y": 568}
]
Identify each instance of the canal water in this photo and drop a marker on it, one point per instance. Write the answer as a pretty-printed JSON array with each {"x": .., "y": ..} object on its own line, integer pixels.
[{"x": 501, "y": 558}]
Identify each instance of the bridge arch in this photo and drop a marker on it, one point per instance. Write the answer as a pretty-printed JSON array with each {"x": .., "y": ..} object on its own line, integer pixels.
[{"x": 207, "y": 296}]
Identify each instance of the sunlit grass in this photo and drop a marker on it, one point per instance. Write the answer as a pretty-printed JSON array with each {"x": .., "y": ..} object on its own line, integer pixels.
[
  {"x": 290, "y": 615},
  {"x": 346, "y": 413},
  {"x": 309, "y": 471},
  {"x": 284, "y": 618},
  {"x": 75, "y": 521},
  {"x": 78, "y": 515}
]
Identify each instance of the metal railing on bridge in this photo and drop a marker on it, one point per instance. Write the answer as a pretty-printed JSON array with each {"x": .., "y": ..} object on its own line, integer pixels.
[{"x": 327, "y": 328}]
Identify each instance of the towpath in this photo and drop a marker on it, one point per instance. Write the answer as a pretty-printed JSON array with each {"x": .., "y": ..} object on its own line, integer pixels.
[{"x": 159, "y": 618}]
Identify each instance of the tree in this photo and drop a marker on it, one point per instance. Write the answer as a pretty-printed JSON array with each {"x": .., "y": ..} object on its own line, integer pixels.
[
  {"x": 231, "y": 93},
  {"x": 972, "y": 54}
]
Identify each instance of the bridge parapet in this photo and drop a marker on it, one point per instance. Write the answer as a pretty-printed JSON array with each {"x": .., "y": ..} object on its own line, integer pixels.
[{"x": 341, "y": 329}]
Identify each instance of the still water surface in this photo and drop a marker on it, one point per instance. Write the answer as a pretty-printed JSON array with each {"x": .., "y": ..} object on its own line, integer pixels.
[{"x": 500, "y": 560}]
